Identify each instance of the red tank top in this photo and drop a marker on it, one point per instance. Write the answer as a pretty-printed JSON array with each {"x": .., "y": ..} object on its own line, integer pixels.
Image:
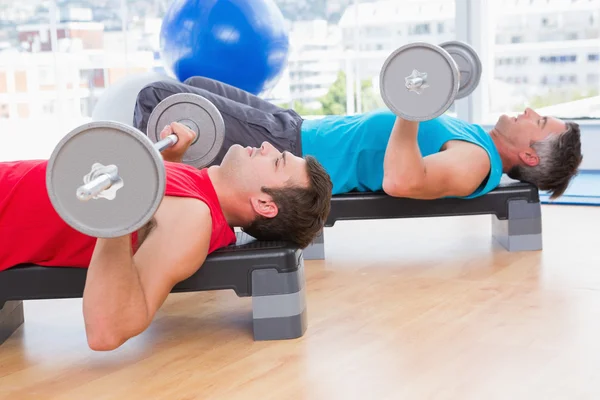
[{"x": 32, "y": 232}]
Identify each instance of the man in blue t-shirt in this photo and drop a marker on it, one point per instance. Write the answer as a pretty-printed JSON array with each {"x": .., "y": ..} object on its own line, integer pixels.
[{"x": 442, "y": 157}]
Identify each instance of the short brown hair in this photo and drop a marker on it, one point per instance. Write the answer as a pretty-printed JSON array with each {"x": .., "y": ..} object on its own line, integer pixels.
[
  {"x": 302, "y": 210},
  {"x": 560, "y": 157}
]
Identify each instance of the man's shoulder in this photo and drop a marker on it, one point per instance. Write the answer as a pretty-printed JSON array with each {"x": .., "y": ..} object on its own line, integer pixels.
[
  {"x": 469, "y": 163},
  {"x": 465, "y": 155},
  {"x": 187, "y": 207},
  {"x": 202, "y": 200},
  {"x": 184, "y": 217},
  {"x": 475, "y": 166},
  {"x": 465, "y": 147},
  {"x": 182, "y": 224},
  {"x": 188, "y": 181}
]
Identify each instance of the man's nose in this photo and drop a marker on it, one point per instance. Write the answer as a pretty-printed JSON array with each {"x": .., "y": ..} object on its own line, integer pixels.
[
  {"x": 266, "y": 148},
  {"x": 529, "y": 112}
]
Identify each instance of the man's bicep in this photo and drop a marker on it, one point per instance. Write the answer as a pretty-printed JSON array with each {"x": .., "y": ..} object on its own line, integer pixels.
[{"x": 174, "y": 250}]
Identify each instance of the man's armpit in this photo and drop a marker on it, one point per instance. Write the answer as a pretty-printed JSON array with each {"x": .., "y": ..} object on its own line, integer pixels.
[{"x": 145, "y": 231}]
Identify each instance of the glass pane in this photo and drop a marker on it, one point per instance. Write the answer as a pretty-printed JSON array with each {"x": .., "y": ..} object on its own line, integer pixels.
[
  {"x": 57, "y": 59},
  {"x": 26, "y": 81},
  {"x": 546, "y": 56},
  {"x": 130, "y": 49},
  {"x": 339, "y": 46}
]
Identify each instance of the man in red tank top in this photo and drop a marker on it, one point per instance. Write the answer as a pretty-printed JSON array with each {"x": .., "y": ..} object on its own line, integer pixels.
[{"x": 271, "y": 195}]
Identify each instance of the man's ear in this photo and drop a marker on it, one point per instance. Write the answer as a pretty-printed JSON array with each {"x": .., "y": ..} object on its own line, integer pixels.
[
  {"x": 529, "y": 157},
  {"x": 264, "y": 205}
]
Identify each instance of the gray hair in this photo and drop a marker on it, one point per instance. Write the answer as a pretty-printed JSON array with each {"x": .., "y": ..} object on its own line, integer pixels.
[{"x": 560, "y": 157}]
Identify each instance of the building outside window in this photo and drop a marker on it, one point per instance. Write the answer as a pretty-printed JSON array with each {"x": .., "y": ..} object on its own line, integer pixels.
[{"x": 58, "y": 57}]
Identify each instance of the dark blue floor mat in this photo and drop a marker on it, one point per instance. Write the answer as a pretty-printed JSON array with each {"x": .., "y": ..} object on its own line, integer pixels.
[{"x": 583, "y": 190}]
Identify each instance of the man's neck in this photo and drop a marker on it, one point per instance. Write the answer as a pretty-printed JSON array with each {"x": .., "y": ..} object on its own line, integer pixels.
[
  {"x": 228, "y": 198},
  {"x": 507, "y": 161}
]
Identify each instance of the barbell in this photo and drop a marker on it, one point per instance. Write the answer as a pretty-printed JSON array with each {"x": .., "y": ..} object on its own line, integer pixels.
[
  {"x": 420, "y": 81},
  {"x": 107, "y": 179}
]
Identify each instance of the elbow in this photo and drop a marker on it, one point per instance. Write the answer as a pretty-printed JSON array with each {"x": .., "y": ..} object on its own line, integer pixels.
[
  {"x": 400, "y": 188},
  {"x": 391, "y": 187},
  {"x": 108, "y": 337},
  {"x": 104, "y": 340}
]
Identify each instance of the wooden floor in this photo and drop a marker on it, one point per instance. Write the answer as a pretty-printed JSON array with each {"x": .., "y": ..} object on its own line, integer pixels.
[{"x": 415, "y": 309}]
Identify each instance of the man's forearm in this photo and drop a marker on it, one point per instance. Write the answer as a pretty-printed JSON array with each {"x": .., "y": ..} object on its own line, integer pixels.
[
  {"x": 403, "y": 162},
  {"x": 114, "y": 304}
]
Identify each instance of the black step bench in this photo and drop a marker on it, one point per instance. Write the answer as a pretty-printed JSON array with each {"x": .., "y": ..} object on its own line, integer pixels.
[
  {"x": 271, "y": 272},
  {"x": 514, "y": 206}
]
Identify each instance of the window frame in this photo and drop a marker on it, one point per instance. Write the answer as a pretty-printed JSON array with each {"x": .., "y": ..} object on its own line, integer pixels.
[{"x": 476, "y": 25}]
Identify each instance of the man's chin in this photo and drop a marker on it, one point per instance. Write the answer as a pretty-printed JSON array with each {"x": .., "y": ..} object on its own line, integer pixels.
[
  {"x": 234, "y": 151},
  {"x": 502, "y": 122}
]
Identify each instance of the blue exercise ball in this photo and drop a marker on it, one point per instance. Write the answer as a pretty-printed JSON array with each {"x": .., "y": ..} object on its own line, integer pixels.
[{"x": 243, "y": 43}]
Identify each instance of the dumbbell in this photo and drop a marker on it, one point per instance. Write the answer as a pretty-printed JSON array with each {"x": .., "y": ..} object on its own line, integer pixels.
[
  {"x": 107, "y": 179},
  {"x": 420, "y": 81}
]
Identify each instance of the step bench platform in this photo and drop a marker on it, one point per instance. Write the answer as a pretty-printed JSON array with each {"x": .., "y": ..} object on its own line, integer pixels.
[
  {"x": 514, "y": 208},
  {"x": 272, "y": 273}
]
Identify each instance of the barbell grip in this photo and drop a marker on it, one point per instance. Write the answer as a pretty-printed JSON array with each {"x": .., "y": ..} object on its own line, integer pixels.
[
  {"x": 104, "y": 181},
  {"x": 167, "y": 142}
]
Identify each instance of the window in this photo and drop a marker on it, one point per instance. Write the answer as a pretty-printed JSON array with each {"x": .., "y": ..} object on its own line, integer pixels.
[
  {"x": 554, "y": 65},
  {"x": 419, "y": 29},
  {"x": 58, "y": 57},
  {"x": 63, "y": 55},
  {"x": 359, "y": 36}
]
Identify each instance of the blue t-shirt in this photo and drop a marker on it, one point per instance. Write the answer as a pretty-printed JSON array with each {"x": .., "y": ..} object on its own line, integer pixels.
[{"x": 352, "y": 147}]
